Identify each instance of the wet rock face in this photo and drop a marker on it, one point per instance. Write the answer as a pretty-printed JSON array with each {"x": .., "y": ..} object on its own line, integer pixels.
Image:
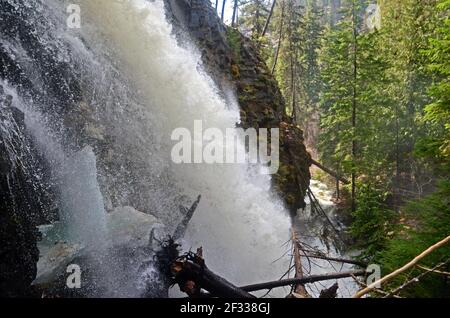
[
  {"x": 23, "y": 25},
  {"x": 234, "y": 62},
  {"x": 18, "y": 207},
  {"x": 197, "y": 19}
]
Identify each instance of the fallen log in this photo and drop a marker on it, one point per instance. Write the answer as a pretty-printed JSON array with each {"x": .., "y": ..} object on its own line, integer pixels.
[
  {"x": 299, "y": 288},
  {"x": 304, "y": 280},
  {"x": 329, "y": 171},
  {"x": 192, "y": 275}
]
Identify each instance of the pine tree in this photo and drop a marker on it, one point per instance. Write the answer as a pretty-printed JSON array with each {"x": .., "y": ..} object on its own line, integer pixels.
[
  {"x": 406, "y": 26},
  {"x": 436, "y": 144}
]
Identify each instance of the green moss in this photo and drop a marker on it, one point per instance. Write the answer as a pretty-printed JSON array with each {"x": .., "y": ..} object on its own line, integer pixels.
[{"x": 235, "y": 42}]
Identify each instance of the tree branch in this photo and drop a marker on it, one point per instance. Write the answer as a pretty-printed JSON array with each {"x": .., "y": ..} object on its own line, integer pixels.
[
  {"x": 402, "y": 269},
  {"x": 304, "y": 280}
]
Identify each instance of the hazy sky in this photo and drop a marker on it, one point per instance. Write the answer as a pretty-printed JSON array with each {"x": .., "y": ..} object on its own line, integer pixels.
[{"x": 228, "y": 10}]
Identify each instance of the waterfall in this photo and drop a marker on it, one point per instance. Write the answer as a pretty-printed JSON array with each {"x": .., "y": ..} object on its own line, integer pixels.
[
  {"x": 82, "y": 203},
  {"x": 126, "y": 84},
  {"x": 241, "y": 226}
]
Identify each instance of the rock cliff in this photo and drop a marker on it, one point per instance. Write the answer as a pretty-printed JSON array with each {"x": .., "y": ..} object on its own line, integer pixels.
[{"x": 235, "y": 64}]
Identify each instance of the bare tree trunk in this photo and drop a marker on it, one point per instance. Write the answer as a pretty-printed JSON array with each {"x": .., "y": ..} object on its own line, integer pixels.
[
  {"x": 234, "y": 19},
  {"x": 299, "y": 288},
  {"x": 355, "y": 74},
  {"x": 293, "y": 96},
  {"x": 266, "y": 26},
  {"x": 280, "y": 38},
  {"x": 223, "y": 10},
  {"x": 330, "y": 172}
]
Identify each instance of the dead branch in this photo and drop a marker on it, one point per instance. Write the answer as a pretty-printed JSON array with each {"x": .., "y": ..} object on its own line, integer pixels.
[
  {"x": 402, "y": 269},
  {"x": 334, "y": 259},
  {"x": 414, "y": 280},
  {"x": 330, "y": 172},
  {"x": 433, "y": 270},
  {"x": 188, "y": 214},
  {"x": 376, "y": 290},
  {"x": 304, "y": 280}
]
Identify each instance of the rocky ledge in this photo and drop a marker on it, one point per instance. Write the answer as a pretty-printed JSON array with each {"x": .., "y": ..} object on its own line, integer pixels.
[{"x": 234, "y": 63}]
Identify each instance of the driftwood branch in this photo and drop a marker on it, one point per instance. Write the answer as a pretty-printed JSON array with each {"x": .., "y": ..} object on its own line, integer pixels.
[
  {"x": 330, "y": 172},
  {"x": 402, "y": 269},
  {"x": 304, "y": 280}
]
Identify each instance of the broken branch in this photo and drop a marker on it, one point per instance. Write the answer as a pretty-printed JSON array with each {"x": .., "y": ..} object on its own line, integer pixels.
[{"x": 188, "y": 214}]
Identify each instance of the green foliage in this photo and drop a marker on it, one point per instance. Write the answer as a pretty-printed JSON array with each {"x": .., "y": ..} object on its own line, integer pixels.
[
  {"x": 375, "y": 117},
  {"x": 427, "y": 222},
  {"x": 401, "y": 91},
  {"x": 372, "y": 219},
  {"x": 235, "y": 42},
  {"x": 437, "y": 113},
  {"x": 253, "y": 14}
]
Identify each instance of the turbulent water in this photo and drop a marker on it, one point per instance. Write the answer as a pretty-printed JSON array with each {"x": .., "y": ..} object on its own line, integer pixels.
[
  {"x": 101, "y": 103},
  {"x": 318, "y": 235},
  {"x": 237, "y": 218},
  {"x": 135, "y": 84}
]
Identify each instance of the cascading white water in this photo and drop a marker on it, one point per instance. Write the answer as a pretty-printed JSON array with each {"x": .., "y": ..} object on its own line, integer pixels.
[
  {"x": 138, "y": 84},
  {"x": 315, "y": 235},
  {"x": 82, "y": 203},
  {"x": 83, "y": 218},
  {"x": 240, "y": 225}
]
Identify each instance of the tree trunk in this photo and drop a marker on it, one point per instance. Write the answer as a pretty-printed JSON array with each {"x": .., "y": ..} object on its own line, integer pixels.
[
  {"x": 280, "y": 38},
  {"x": 330, "y": 172},
  {"x": 223, "y": 10},
  {"x": 299, "y": 288},
  {"x": 235, "y": 8},
  {"x": 355, "y": 75},
  {"x": 266, "y": 26}
]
